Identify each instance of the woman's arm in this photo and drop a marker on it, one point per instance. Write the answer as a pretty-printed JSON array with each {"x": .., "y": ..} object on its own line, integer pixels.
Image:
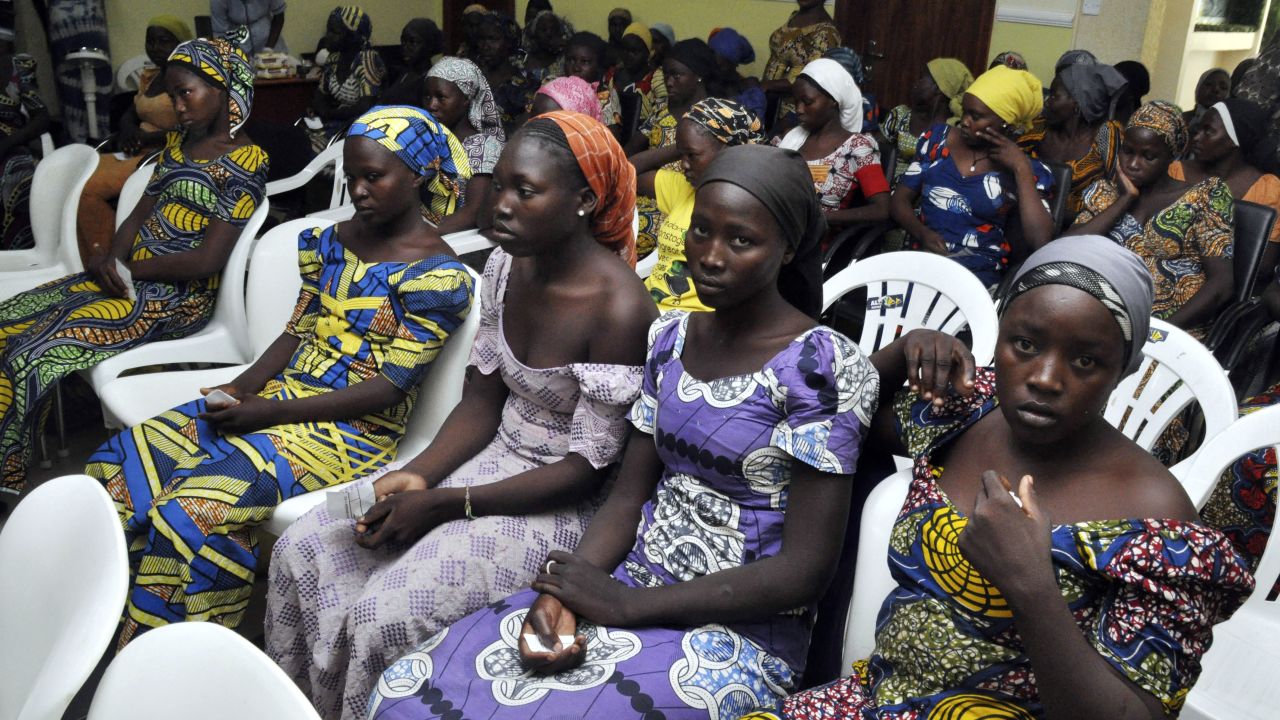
[
  {"x": 472, "y": 214},
  {"x": 874, "y": 210},
  {"x": 1219, "y": 282},
  {"x": 1010, "y": 545},
  {"x": 271, "y": 363},
  {"x": 653, "y": 159},
  {"x": 1102, "y": 221},
  {"x": 354, "y": 401},
  {"x": 277, "y": 25},
  {"x": 813, "y": 531},
  {"x": 930, "y": 361},
  {"x": 207, "y": 260},
  {"x": 902, "y": 210},
  {"x": 103, "y": 270},
  {"x": 637, "y": 143},
  {"x": 1037, "y": 223}
]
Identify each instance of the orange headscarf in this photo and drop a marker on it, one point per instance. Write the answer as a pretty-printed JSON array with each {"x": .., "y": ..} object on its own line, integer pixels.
[{"x": 610, "y": 176}]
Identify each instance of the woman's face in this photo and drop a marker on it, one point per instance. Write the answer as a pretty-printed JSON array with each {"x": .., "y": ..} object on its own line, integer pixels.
[
  {"x": 1213, "y": 89},
  {"x": 660, "y": 46},
  {"x": 1060, "y": 107},
  {"x": 1058, "y": 357},
  {"x": 682, "y": 83},
  {"x": 412, "y": 48},
  {"x": 814, "y": 108},
  {"x": 582, "y": 62},
  {"x": 445, "y": 101},
  {"x": 1144, "y": 156},
  {"x": 543, "y": 103},
  {"x": 548, "y": 35},
  {"x": 1210, "y": 141},
  {"x": 160, "y": 44},
  {"x": 924, "y": 92},
  {"x": 734, "y": 246},
  {"x": 197, "y": 103},
  {"x": 338, "y": 37},
  {"x": 491, "y": 45},
  {"x": 697, "y": 149},
  {"x": 531, "y": 198},
  {"x": 382, "y": 187},
  {"x": 976, "y": 119},
  {"x": 634, "y": 54}
]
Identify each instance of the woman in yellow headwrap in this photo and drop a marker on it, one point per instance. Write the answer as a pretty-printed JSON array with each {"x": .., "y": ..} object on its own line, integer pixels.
[
  {"x": 142, "y": 132},
  {"x": 935, "y": 98},
  {"x": 970, "y": 177}
]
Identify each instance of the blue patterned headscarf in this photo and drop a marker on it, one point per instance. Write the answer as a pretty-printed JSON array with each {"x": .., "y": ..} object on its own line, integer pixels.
[
  {"x": 221, "y": 63},
  {"x": 426, "y": 146}
]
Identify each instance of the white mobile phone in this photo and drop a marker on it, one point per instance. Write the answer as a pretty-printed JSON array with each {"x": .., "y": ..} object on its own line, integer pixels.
[
  {"x": 535, "y": 643},
  {"x": 219, "y": 400}
]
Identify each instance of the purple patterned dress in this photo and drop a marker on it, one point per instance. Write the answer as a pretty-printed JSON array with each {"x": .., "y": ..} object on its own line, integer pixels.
[
  {"x": 729, "y": 446},
  {"x": 337, "y": 614}
]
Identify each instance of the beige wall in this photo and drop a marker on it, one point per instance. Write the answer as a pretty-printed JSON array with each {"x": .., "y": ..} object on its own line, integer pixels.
[{"x": 1117, "y": 34}]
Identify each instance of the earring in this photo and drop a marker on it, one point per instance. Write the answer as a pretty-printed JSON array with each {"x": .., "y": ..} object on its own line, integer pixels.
[{"x": 582, "y": 213}]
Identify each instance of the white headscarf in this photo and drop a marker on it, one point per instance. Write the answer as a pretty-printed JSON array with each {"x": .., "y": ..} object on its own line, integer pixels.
[{"x": 839, "y": 84}]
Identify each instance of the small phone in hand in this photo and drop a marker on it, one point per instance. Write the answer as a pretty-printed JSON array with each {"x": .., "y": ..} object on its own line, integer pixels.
[
  {"x": 219, "y": 400},
  {"x": 535, "y": 643}
]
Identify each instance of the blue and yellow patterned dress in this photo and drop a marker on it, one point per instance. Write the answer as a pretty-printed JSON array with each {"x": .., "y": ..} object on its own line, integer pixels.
[
  {"x": 70, "y": 324},
  {"x": 190, "y": 497},
  {"x": 1145, "y": 593}
]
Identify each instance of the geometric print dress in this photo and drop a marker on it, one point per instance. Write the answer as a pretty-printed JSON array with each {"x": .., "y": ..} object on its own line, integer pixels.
[
  {"x": 1145, "y": 593},
  {"x": 190, "y": 497},
  {"x": 728, "y": 448},
  {"x": 69, "y": 324}
]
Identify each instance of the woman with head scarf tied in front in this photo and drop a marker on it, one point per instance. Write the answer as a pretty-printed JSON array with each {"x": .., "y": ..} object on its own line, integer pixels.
[
  {"x": 351, "y": 76},
  {"x": 1019, "y": 594},
  {"x": 733, "y": 50},
  {"x": 710, "y": 126},
  {"x": 570, "y": 93},
  {"x": 1181, "y": 231},
  {"x": 420, "y": 41},
  {"x": 497, "y": 46},
  {"x": 691, "y": 593},
  {"x": 844, "y": 161},
  {"x": 1077, "y": 129},
  {"x": 972, "y": 180},
  {"x": 209, "y": 180},
  {"x": 143, "y": 129},
  {"x": 1213, "y": 87},
  {"x": 634, "y": 73},
  {"x": 542, "y": 49},
  {"x": 457, "y": 95},
  {"x": 1224, "y": 145},
  {"x": 935, "y": 99},
  {"x": 809, "y": 32},
  {"x": 518, "y": 467},
  {"x": 326, "y": 403}
]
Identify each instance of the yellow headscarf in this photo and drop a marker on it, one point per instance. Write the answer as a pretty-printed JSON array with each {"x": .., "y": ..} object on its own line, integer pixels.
[
  {"x": 1015, "y": 95},
  {"x": 952, "y": 77},
  {"x": 174, "y": 25},
  {"x": 641, "y": 31}
]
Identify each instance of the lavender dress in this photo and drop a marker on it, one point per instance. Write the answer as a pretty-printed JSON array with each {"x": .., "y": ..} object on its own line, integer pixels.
[
  {"x": 729, "y": 446},
  {"x": 337, "y": 614}
]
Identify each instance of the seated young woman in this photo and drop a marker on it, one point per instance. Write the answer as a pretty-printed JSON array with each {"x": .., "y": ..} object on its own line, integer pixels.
[
  {"x": 144, "y": 128},
  {"x": 351, "y": 77},
  {"x": 568, "y": 92},
  {"x": 519, "y": 466},
  {"x": 175, "y": 242},
  {"x": 691, "y": 593},
  {"x": 710, "y": 126},
  {"x": 326, "y": 403},
  {"x": 935, "y": 99},
  {"x": 584, "y": 57},
  {"x": 1046, "y": 566},
  {"x": 844, "y": 161},
  {"x": 457, "y": 94},
  {"x": 972, "y": 180},
  {"x": 1183, "y": 232},
  {"x": 1077, "y": 129},
  {"x": 420, "y": 42},
  {"x": 1224, "y": 145}
]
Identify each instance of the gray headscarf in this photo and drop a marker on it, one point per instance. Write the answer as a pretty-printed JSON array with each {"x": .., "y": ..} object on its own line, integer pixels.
[
  {"x": 1074, "y": 57},
  {"x": 1095, "y": 88},
  {"x": 665, "y": 31},
  {"x": 468, "y": 77},
  {"x": 1097, "y": 265},
  {"x": 781, "y": 181}
]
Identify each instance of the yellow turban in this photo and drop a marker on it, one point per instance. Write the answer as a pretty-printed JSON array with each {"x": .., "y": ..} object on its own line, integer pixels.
[
  {"x": 1015, "y": 95},
  {"x": 640, "y": 31},
  {"x": 952, "y": 78}
]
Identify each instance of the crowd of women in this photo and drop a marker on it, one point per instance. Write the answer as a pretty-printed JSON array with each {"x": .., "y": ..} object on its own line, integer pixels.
[{"x": 644, "y": 491}]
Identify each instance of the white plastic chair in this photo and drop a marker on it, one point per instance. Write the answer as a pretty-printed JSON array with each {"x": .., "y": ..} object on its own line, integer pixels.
[
  {"x": 1186, "y": 371},
  {"x": 133, "y": 189},
  {"x": 331, "y": 155},
  {"x": 65, "y": 572},
  {"x": 644, "y": 268},
  {"x": 872, "y": 582},
  {"x": 129, "y": 73},
  {"x": 196, "y": 671},
  {"x": 55, "y": 203},
  {"x": 1238, "y": 679},
  {"x": 224, "y": 340},
  {"x": 910, "y": 290}
]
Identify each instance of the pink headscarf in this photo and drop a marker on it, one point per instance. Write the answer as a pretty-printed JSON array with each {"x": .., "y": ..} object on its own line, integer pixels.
[{"x": 574, "y": 94}]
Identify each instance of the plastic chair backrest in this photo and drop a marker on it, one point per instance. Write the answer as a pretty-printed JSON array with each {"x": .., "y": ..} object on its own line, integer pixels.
[
  {"x": 441, "y": 389},
  {"x": 196, "y": 671},
  {"x": 1252, "y": 232},
  {"x": 65, "y": 571},
  {"x": 644, "y": 266},
  {"x": 331, "y": 155},
  {"x": 55, "y": 202},
  {"x": 629, "y": 107},
  {"x": 1248, "y": 433},
  {"x": 129, "y": 73},
  {"x": 1182, "y": 370},
  {"x": 133, "y": 190},
  {"x": 229, "y": 310},
  {"x": 274, "y": 282},
  {"x": 889, "y": 162},
  {"x": 872, "y": 582},
  {"x": 909, "y": 290},
  {"x": 1061, "y": 189}
]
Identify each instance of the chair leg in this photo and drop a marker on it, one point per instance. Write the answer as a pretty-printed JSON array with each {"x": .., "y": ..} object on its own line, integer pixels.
[{"x": 60, "y": 418}]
